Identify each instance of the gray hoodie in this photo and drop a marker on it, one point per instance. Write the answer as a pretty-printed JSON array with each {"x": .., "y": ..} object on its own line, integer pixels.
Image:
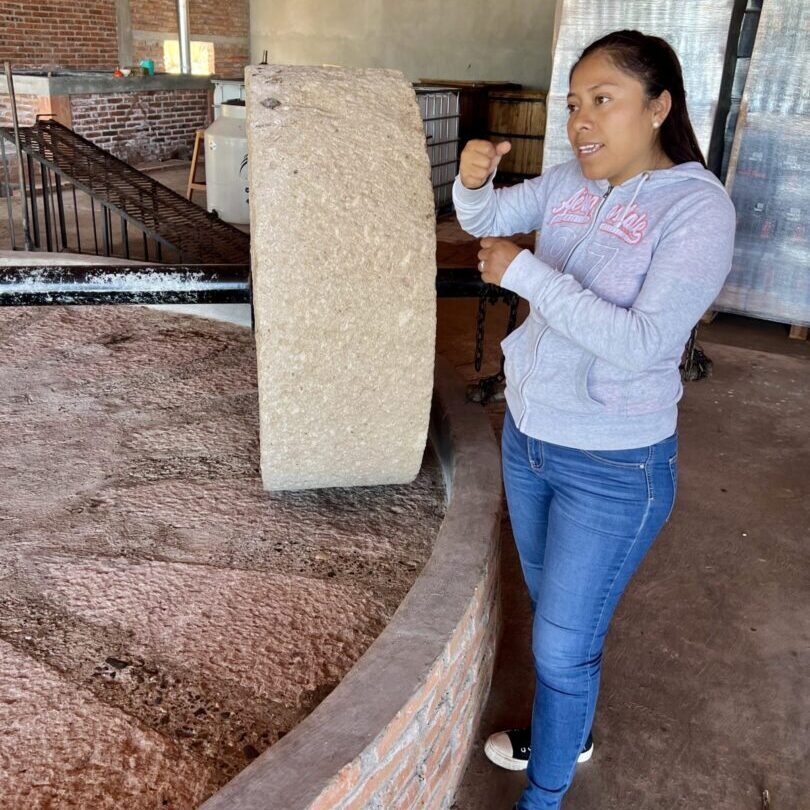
[{"x": 618, "y": 278}]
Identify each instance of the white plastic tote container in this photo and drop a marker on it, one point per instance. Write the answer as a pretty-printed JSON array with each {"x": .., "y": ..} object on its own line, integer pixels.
[{"x": 226, "y": 176}]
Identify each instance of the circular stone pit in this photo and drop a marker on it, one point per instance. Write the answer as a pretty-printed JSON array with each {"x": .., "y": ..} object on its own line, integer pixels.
[{"x": 163, "y": 620}]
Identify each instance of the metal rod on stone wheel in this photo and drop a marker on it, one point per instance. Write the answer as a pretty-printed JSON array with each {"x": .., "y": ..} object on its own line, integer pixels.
[
  {"x": 29, "y": 245},
  {"x": 37, "y": 284}
]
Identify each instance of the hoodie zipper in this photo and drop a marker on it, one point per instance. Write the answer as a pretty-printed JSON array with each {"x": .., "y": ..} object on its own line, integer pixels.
[
  {"x": 529, "y": 373},
  {"x": 593, "y": 224}
]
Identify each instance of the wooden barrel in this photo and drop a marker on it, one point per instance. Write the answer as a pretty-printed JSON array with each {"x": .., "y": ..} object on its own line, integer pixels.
[{"x": 519, "y": 117}]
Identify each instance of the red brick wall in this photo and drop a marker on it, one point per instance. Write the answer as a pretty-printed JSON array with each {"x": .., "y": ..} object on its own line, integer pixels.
[
  {"x": 59, "y": 34},
  {"x": 216, "y": 17},
  {"x": 149, "y": 49},
  {"x": 55, "y": 33},
  {"x": 27, "y": 109},
  {"x": 207, "y": 19},
  {"x": 205, "y": 16},
  {"x": 154, "y": 15},
  {"x": 142, "y": 127},
  {"x": 231, "y": 60}
]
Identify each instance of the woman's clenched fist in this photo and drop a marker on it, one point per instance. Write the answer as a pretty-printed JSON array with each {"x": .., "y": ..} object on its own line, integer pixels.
[{"x": 478, "y": 160}]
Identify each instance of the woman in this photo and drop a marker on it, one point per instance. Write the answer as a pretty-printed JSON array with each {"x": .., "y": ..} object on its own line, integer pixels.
[{"x": 635, "y": 240}]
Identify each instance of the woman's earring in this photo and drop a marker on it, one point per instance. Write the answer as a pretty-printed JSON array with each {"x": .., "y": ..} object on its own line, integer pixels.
[{"x": 656, "y": 124}]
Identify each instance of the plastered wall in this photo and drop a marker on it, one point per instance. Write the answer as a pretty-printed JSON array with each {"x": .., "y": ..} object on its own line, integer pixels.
[{"x": 445, "y": 39}]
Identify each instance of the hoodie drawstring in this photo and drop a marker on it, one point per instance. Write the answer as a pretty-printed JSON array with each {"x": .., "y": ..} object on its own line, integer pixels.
[{"x": 644, "y": 177}]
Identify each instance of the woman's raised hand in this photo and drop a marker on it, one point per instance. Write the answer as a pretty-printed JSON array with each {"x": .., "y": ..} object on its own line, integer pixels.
[{"x": 479, "y": 159}]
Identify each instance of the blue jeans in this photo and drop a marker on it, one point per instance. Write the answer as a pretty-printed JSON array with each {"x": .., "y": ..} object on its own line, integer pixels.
[{"x": 582, "y": 521}]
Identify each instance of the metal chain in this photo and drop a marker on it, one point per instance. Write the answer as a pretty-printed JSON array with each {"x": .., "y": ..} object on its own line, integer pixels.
[
  {"x": 479, "y": 329},
  {"x": 491, "y": 294},
  {"x": 490, "y": 387},
  {"x": 510, "y": 327},
  {"x": 695, "y": 365},
  {"x": 513, "y": 309}
]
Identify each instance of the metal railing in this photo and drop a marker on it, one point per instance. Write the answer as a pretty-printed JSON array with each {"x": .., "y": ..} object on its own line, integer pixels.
[{"x": 81, "y": 199}]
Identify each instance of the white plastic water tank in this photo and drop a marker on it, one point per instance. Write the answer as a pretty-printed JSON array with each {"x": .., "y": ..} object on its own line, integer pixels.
[{"x": 226, "y": 176}]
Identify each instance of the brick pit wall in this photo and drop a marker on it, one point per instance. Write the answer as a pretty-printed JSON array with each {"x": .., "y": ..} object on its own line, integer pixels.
[
  {"x": 142, "y": 127},
  {"x": 136, "y": 127},
  {"x": 419, "y": 759}
]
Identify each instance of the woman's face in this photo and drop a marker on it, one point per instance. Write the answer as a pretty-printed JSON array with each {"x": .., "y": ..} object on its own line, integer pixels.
[{"x": 610, "y": 123}]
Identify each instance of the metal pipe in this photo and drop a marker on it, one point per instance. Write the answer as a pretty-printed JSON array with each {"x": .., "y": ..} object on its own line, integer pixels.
[
  {"x": 34, "y": 212},
  {"x": 46, "y": 207},
  {"x": 60, "y": 207},
  {"x": 95, "y": 231},
  {"x": 18, "y": 147},
  {"x": 125, "y": 237},
  {"x": 76, "y": 215},
  {"x": 105, "y": 218},
  {"x": 184, "y": 36},
  {"x": 7, "y": 179}
]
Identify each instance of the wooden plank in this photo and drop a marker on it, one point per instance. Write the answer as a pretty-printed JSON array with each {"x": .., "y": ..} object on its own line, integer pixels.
[
  {"x": 798, "y": 332},
  {"x": 193, "y": 183}
]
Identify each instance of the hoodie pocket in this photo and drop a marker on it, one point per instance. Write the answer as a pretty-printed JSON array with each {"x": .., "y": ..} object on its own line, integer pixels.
[
  {"x": 511, "y": 339},
  {"x": 584, "y": 380},
  {"x": 559, "y": 376},
  {"x": 631, "y": 393},
  {"x": 516, "y": 348}
]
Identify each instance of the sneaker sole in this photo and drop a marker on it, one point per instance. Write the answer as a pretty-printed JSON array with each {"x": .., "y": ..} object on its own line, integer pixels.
[
  {"x": 512, "y": 764},
  {"x": 503, "y": 761}
]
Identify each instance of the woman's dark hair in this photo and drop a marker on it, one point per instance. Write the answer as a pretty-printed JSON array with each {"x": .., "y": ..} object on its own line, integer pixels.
[{"x": 652, "y": 61}]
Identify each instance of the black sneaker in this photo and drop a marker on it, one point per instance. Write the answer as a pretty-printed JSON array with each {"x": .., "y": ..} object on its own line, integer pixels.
[{"x": 511, "y": 749}]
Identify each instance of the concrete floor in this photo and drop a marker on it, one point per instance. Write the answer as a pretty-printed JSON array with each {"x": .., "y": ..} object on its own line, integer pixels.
[{"x": 704, "y": 700}]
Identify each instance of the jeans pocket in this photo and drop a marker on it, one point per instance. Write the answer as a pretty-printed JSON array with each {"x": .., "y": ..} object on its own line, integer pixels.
[{"x": 635, "y": 457}]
